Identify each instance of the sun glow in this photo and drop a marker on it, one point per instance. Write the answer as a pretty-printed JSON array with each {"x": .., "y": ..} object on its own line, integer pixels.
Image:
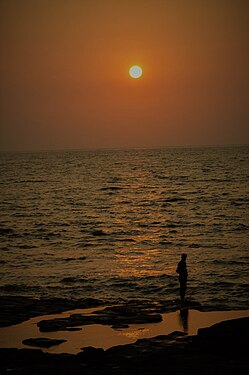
[{"x": 135, "y": 71}]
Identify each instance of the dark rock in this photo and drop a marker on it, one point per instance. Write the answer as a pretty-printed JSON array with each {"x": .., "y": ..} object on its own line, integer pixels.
[
  {"x": 42, "y": 342},
  {"x": 63, "y": 324},
  {"x": 17, "y": 309},
  {"x": 34, "y": 361},
  {"x": 230, "y": 335},
  {"x": 121, "y": 316},
  {"x": 90, "y": 354},
  {"x": 172, "y": 354},
  {"x": 6, "y": 355}
]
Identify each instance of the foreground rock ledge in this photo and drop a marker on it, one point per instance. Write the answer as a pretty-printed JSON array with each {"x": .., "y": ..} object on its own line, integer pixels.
[{"x": 220, "y": 349}]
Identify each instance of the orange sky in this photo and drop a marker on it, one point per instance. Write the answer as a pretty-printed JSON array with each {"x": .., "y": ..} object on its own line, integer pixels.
[{"x": 64, "y": 73}]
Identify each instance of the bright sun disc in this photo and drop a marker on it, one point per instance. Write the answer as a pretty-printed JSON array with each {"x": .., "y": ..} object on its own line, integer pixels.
[{"x": 135, "y": 71}]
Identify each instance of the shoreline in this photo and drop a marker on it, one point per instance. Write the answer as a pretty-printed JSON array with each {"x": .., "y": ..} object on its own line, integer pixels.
[
  {"x": 219, "y": 349},
  {"x": 105, "y": 336},
  {"x": 18, "y": 309},
  {"x": 222, "y": 345}
]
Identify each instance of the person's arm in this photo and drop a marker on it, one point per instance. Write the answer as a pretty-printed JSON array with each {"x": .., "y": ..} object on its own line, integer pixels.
[{"x": 178, "y": 268}]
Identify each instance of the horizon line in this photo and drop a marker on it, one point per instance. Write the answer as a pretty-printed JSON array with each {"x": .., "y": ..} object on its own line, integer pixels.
[{"x": 122, "y": 148}]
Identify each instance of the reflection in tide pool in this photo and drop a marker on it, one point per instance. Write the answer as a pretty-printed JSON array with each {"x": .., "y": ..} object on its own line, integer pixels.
[{"x": 102, "y": 336}]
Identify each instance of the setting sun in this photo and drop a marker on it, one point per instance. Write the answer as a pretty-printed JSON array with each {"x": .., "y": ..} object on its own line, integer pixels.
[{"x": 135, "y": 71}]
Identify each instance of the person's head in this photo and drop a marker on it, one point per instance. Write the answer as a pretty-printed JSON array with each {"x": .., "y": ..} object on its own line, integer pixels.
[{"x": 184, "y": 256}]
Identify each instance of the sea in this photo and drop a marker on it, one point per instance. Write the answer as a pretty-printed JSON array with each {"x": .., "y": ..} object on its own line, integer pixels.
[{"x": 112, "y": 224}]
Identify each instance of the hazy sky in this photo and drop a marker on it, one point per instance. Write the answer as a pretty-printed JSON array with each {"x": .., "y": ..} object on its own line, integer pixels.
[{"x": 64, "y": 73}]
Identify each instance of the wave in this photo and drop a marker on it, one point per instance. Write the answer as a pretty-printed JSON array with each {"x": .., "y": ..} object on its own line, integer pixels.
[
  {"x": 119, "y": 205},
  {"x": 111, "y": 188},
  {"x": 70, "y": 280},
  {"x": 19, "y": 288},
  {"x": 160, "y": 277},
  {"x": 72, "y": 259},
  {"x": 99, "y": 232},
  {"x": 6, "y": 231},
  {"x": 79, "y": 280},
  {"x": 223, "y": 262},
  {"x": 174, "y": 200}
]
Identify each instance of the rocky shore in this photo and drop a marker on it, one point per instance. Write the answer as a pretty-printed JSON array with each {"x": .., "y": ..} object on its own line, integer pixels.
[
  {"x": 220, "y": 349},
  {"x": 17, "y": 309}
]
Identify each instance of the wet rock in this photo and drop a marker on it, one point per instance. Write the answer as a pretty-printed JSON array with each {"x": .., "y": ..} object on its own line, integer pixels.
[
  {"x": 121, "y": 315},
  {"x": 63, "y": 324},
  {"x": 91, "y": 354},
  {"x": 141, "y": 346},
  {"x": 130, "y": 313},
  {"x": 42, "y": 342},
  {"x": 172, "y": 354},
  {"x": 230, "y": 335},
  {"x": 17, "y": 309}
]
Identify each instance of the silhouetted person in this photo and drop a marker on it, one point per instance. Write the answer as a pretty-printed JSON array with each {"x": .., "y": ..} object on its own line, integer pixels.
[{"x": 183, "y": 276}]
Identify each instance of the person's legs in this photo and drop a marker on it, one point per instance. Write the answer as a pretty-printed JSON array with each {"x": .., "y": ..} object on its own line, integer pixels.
[{"x": 183, "y": 288}]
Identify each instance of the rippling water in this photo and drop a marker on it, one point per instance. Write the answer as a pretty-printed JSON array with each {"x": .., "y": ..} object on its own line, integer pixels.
[{"x": 112, "y": 224}]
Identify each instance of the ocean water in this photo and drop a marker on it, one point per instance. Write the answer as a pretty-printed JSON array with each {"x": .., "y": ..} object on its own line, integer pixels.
[{"x": 112, "y": 224}]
